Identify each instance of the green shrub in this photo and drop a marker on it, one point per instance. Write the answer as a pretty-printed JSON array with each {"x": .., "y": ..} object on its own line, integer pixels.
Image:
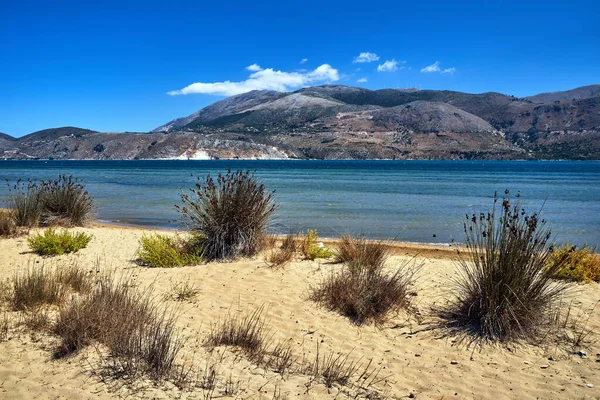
[
  {"x": 164, "y": 251},
  {"x": 505, "y": 291},
  {"x": 51, "y": 242},
  {"x": 580, "y": 265},
  {"x": 312, "y": 249},
  {"x": 231, "y": 213},
  {"x": 359, "y": 252}
]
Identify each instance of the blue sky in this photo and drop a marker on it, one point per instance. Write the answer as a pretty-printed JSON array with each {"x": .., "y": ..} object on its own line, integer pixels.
[{"x": 125, "y": 66}]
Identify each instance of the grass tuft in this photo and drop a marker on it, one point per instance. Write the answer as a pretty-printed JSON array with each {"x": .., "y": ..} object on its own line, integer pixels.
[
  {"x": 506, "y": 292},
  {"x": 366, "y": 294},
  {"x": 360, "y": 252},
  {"x": 33, "y": 287},
  {"x": 282, "y": 255},
  {"x": 51, "y": 242},
  {"x": 231, "y": 213},
  {"x": 8, "y": 225},
  {"x": 164, "y": 251},
  {"x": 579, "y": 265}
]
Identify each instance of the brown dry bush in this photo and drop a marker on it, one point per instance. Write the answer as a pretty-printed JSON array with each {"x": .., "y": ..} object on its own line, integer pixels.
[
  {"x": 284, "y": 254},
  {"x": 505, "y": 292},
  {"x": 366, "y": 294},
  {"x": 360, "y": 252},
  {"x": 8, "y": 225},
  {"x": 33, "y": 287},
  {"x": 139, "y": 335}
]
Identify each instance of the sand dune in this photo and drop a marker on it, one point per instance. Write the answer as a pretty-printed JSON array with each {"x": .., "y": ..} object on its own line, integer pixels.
[{"x": 413, "y": 361}]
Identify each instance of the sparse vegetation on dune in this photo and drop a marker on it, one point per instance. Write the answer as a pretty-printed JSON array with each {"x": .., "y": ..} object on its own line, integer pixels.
[
  {"x": 139, "y": 335},
  {"x": 52, "y": 242},
  {"x": 360, "y": 252},
  {"x": 8, "y": 226},
  {"x": 366, "y": 293},
  {"x": 24, "y": 201},
  {"x": 576, "y": 264},
  {"x": 230, "y": 213},
  {"x": 164, "y": 251},
  {"x": 505, "y": 292},
  {"x": 283, "y": 254}
]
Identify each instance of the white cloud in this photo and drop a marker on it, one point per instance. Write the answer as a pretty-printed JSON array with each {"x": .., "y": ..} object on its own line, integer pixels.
[
  {"x": 366, "y": 57},
  {"x": 435, "y": 67},
  {"x": 263, "y": 79},
  {"x": 390, "y": 66},
  {"x": 303, "y": 60},
  {"x": 254, "y": 67},
  {"x": 362, "y": 80}
]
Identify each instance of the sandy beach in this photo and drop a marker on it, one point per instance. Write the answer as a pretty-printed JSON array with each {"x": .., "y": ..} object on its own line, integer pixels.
[{"x": 411, "y": 360}]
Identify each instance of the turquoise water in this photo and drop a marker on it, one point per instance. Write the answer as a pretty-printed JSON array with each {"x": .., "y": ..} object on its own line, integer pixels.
[{"x": 407, "y": 200}]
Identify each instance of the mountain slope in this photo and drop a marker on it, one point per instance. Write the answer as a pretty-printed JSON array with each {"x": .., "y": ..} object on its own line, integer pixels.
[{"x": 580, "y": 93}]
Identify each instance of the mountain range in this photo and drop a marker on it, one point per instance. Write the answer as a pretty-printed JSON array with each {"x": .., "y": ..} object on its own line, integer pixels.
[{"x": 343, "y": 122}]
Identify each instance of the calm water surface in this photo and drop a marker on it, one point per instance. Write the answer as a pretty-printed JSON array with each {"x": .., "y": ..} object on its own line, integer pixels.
[{"x": 407, "y": 200}]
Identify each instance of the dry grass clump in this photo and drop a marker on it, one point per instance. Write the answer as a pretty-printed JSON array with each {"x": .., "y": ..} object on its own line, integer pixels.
[
  {"x": 312, "y": 249},
  {"x": 282, "y": 255},
  {"x": 33, "y": 287},
  {"x": 505, "y": 291},
  {"x": 360, "y": 252},
  {"x": 52, "y": 242},
  {"x": 164, "y": 251},
  {"x": 62, "y": 201},
  {"x": 231, "y": 213},
  {"x": 182, "y": 291},
  {"x": 140, "y": 336},
  {"x": 366, "y": 294},
  {"x": 579, "y": 265},
  {"x": 8, "y": 226}
]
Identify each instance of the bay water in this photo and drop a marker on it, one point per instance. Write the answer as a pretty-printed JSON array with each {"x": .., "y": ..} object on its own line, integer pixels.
[{"x": 415, "y": 201}]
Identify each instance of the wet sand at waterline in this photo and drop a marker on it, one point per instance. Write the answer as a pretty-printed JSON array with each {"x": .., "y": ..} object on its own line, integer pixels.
[{"x": 411, "y": 360}]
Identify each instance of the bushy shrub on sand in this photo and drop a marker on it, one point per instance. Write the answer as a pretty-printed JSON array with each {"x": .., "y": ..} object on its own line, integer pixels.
[
  {"x": 164, "y": 251},
  {"x": 366, "y": 293},
  {"x": 231, "y": 213},
  {"x": 62, "y": 201},
  {"x": 24, "y": 201},
  {"x": 360, "y": 252},
  {"x": 140, "y": 335},
  {"x": 65, "y": 202},
  {"x": 312, "y": 249},
  {"x": 576, "y": 264},
  {"x": 52, "y": 242},
  {"x": 505, "y": 291}
]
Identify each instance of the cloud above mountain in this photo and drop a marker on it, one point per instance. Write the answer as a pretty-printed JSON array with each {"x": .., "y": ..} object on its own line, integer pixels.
[
  {"x": 435, "y": 67},
  {"x": 365, "y": 57},
  {"x": 390, "y": 66},
  {"x": 261, "y": 79}
]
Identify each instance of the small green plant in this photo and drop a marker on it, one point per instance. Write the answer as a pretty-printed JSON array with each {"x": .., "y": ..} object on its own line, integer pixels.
[
  {"x": 312, "y": 249},
  {"x": 575, "y": 264},
  {"x": 163, "y": 251},
  {"x": 51, "y": 242}
]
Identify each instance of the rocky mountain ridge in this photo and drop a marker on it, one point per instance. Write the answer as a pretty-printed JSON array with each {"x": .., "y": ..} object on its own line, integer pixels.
[{"x": 335, "y": 121}]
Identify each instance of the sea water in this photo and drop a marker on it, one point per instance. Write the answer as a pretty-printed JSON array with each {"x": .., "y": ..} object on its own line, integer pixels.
[{"x": 416, "y": 201}]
